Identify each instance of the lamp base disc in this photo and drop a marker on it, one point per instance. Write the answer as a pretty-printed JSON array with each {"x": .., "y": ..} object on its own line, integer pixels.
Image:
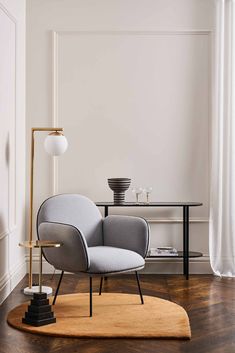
[{"x": 35, "y": 289}]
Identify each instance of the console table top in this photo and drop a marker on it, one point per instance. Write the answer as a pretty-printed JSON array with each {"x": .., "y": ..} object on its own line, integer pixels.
[{"x": 150, "y": 204}]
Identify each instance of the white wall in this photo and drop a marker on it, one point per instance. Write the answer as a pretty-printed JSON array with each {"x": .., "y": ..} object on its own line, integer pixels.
[
  {"x": 129, "y": 80},
  {"x": 12, "y": 143}
]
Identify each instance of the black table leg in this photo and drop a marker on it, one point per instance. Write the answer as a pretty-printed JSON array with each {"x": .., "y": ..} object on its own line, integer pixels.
[
  {"x": 186, "y": 240},
  {"x": 106, "y": 211},
  {"x": 90, "y": 296}
]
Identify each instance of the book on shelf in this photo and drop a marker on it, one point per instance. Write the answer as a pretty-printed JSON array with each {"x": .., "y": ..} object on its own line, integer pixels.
[{"x": 163, "y": 251}]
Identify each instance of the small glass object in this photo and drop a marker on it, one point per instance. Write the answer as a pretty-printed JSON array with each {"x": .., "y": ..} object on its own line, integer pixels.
[
  {"x": 137, "y": 192},
  {"x": 148, "y": 191}
]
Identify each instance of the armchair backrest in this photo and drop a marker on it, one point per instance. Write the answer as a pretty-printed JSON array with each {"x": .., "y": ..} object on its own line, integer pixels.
[{"x": 75, "y": 210}]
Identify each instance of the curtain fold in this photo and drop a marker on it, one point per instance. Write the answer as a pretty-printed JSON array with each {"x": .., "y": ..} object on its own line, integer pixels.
[{"x": 222, "y": 203}]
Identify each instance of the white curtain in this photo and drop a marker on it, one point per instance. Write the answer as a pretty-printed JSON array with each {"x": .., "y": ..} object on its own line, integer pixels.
[{"x": 222, "y": 209}]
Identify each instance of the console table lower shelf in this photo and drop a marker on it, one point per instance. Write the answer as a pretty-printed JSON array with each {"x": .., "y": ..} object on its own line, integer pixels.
[{"x": 179, "y": 255}]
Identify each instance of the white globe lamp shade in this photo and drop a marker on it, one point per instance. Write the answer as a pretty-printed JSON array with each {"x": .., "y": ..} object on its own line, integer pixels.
[{"x": 55, "y": 144}]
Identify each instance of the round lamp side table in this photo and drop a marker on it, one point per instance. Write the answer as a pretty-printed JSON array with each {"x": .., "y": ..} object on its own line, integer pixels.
[{"x": 39, "y": 244}]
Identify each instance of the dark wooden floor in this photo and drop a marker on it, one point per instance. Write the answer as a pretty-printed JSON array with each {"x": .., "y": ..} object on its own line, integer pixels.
[{"x": 209, "y": 301}]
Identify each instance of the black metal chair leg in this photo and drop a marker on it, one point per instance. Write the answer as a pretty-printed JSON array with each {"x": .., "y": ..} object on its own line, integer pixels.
[
  {"x": 138, "y": 282},
  {"x": 90, "y": 296},
  {"x": 101, "y": 283},
  {"x": 58, "y": 287}
]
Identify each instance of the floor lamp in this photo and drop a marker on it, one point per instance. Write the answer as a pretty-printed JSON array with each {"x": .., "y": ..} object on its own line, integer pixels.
[{"x": 55, "y": 144}]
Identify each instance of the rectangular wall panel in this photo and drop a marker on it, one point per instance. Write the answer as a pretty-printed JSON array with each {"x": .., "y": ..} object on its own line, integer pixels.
[
  {"x": 7, "y": 131},
  {"x": 12, "y": 144},
  {"x": 135, "y": 104}
]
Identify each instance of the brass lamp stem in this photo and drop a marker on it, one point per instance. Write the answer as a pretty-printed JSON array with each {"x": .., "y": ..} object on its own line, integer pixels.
[
  {"x": 48, "y": 129},
  {"x": 31, "y": 211}
]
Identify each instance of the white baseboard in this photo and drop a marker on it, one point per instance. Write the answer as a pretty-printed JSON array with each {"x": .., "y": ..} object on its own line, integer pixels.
[
  {"x": 11, "y": 279},
  {"x": 200, "y": 265},
  {"x": 46, "y": 267}
]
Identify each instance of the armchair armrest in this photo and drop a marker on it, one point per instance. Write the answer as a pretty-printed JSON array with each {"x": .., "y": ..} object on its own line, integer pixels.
[
  {"x": 72, "y": 256},
  {"x": 127, "y": 232}
]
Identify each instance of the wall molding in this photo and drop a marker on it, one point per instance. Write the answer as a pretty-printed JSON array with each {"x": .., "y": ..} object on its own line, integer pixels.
[
  {"x": 46, "y": 267},
  {"x": 164, "y": 266},
  {"x": 4, "y": 234},
  {"x": 7, "y": 232},
  {"x": 134, "y": 32},
  {"x": 11, "y": 17},
  {"x": 55, "y": 122},
  {"x": 12, "y": 208},
  {"x": 176, "y": 220},
  {"x": 14, "y": 274},
  {"x": 10, "y": 280}
]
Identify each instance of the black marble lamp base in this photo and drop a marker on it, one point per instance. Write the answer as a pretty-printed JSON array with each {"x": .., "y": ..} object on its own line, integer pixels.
[{"x": 39, "y": 311}]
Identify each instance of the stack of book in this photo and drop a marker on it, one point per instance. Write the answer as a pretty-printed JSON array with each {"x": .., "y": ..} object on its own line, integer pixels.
[{"x": 163, "y": 251}]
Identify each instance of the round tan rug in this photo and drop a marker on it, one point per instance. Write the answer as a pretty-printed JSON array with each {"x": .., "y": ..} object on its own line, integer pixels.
[{"x": 114, "y": 315}]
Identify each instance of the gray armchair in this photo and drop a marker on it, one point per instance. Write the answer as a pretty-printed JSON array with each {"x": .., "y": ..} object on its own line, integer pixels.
[{"x": 91, "y": 244}]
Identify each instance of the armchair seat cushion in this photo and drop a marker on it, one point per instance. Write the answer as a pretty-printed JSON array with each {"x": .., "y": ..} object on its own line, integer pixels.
[{"x": 107, "y": 260}]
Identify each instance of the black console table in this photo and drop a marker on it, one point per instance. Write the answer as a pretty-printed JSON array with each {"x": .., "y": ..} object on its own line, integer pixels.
[{"x": 185, "y": 254}]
